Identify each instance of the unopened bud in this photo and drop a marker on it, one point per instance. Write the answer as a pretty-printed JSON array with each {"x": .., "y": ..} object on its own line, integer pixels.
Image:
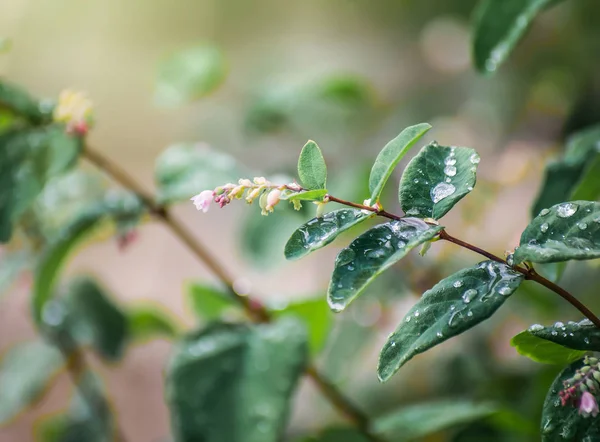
[
  {"x": 297, "y": 204},
  {"x": 577, "y": 377},
  {"x": 596, "y": 375},
  {"x": 320, "y": 209},
  {"x": 262, "y": 202},
  {"x": 592, "y": 385},
  {"x": 584, "y": 369},
  {"x": 583, "y": 388},
  {"x": 245, "y": 182},
  {"x": 260, "y": 180},
  {"x": 273, "y": 199},
  {"x": 592, "y": 361},
  {"x": 236, "y": 192},
  {"x": 253, "y": 195}
]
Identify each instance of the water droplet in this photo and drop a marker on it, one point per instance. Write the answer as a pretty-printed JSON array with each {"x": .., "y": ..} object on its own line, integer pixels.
[
  {"x": 469, "y": 295},
  {"x": 448, "y": 180},
  {"x": 475, "y": 159},
  {"x": 544, "y": 227},
  {"x": 470, "y": 313},
  {"x": 407, "y": 318},
  {"x": 505, "y": 291},
  {"x": 439, "y": 334},
  {"x": 450, "y": 160},
  {"x": 345, "y": 257},
  {"x": 450, "y": 170},
  {"x": 441, "y": 191},
  {"x": 566, "y": 210},
  {"x": 582, "y": 225},
  {"x": 554, "y": 333},
  {"x": 452, "y": 316},
  {"x": 586, "y": 340},
  {"x": 416, "y": 181},
  {"x": 558, "y": 324},
  {"x": 336, "y": 306},
  {"x": 458, "y": 283},
  {"x": 510, "y": 259},
  {"x": 536, "y": 327},
  {"x": 544, "y": 212},
  {"x": 375, "y": 253},
  {"x": 417, "y": 314},
  {"x": 470, "y": 188}
]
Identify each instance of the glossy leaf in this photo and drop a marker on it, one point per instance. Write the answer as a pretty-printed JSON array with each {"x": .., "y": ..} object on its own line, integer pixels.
[
  {"x": 148, "y": 322},
  {"x": 315, "y": 315},
  {"x": 189, "y": 75},
  {"x": 454, "y": 305},
  {"x": 119, "y": 207},
  {"x": 588, "y": 188},
  {"x": 564, "y": 423},
  {"x": 95, "y": 319},
  {"x": 572, "y": 176},
  {"x": 499, "y": 26},
  {"x": 436, "y": 179},
  {"x": 311, "y": 167},
  {"x": 208, "y": 302},
  {"x": 566, "y": 231},
  {"x": 414, "y": 422},
  {"x": 390, "y": 156},
  {"x": 357, "y": 265},
  {"x": 321, "y": 231},
  {"x": 542, "y": 350},
  {"x": 25, "y": 372},
  {"x": 583, "y": 335},
  {"x": 233, "y": 383},
  {"x": 184, "y": 170},
  {"x": 28, "y": 159}
]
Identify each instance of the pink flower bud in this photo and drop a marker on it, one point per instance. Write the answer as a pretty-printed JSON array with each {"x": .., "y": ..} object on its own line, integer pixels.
[
  {"x": 203, "y": 199},
  {"x": 273, "y": 199},
  {"x": 588, "y": 404}
]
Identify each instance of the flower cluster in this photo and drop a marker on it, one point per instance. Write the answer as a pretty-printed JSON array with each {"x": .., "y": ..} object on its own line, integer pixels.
[
  {"x": 267, "y": 193},
  {"x": 75, "y": 110},
  {"x": 580, "y": 389}
]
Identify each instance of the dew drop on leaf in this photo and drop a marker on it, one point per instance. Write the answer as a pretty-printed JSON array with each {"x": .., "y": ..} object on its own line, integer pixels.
[
  {"x": 544, "y": 227},
  {"x": 566, "y": 210},
  {"x": 475, "y": 159},
  {"x": 536, "y": 327},
  {"x": 450, "y": 170},
  {"x": 458, "y": 283},
  {"x": 544, "y": 212},
  {"x": 441, "y": 191},
  {"x": 582, "y": 225},
  {"x": 469, "y": 295}
]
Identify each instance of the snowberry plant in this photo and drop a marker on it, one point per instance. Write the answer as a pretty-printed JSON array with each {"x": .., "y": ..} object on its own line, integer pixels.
[{"x": 432, "y": 183}]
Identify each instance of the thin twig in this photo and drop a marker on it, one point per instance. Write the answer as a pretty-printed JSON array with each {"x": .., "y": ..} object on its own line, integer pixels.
[{"x": 253, "y": 307}]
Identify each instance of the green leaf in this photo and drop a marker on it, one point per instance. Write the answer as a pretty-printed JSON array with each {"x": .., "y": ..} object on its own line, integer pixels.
[
  {"x": 233, "y": 383},
  {"x": 566, "y": 231},
  {"x": 148, "y": 322},
  {"x": 415, "y": 422},
  {"x": 95, "y": 319},
  {"x": 310, "y": 195},
  {"x": 543, "y": 351},
  {"x": 454, "y": 305},
  {"x": 321, "y": 231},
  {"x": 564, "y": 423},
  {"x": 24, "y": 105},
  {"x": 122, "y": 208},
  {"x": 316, "y": 316},
  {"x": 588, "y": 188},
  {"x": 25, "y": 372},
  {"x": 189, "y": 75},
  {"x": 28, "y": 159},
  {"x": 208, "y": 302},
  {"x": 436, "y": 179},
  {"x": 569, "y": 177},
  {"x": 88, "y": 419},
  {"x": 311, "y": 167},
  {"x": 184, "y": 170},
  {"x": 391, "y": 155},
  {"x": 583, "y": 335},
  {"x": 370, "y": 254},
  {"x": 498, "y": 27}
]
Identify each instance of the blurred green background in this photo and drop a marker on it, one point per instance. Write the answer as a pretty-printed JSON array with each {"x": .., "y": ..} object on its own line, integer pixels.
[{"x": 349, "y": 74}]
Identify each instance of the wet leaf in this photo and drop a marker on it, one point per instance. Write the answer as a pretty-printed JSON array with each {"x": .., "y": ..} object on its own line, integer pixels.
[
  {"x": 209, "y": 302},
  {"x": 454, "y": 305},
  {"x": 357, "y": 265},
  {"x": 96, "y": 320},
  {"x": 25, "y": 372},
  {"x": 564, "y": 423},
  {"x": 499, "y": 25},
  {"x": 542, "y": 350},
  {"x": 122, "y": 208},
  {"x": 321, "y": 231},
  {"x": 189, "y": 75},
  {"x": 28, "y": 159},
  {"x": 566, "y": 231},
  {"x": 185, "y": 170},
  {"x": 233, "y": 383},
  {"x": 148, "y": 322},
  {"x": 436, "y": 179},
  {"x": 414, "y": 422},
  {"x": 583, "y": 335},
  {"x": 390, "y": 156},
  {"x": 311, "y": 167}
]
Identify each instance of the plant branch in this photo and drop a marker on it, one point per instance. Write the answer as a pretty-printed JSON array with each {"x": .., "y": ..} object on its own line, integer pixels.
[{"x": 254, "y": 308}]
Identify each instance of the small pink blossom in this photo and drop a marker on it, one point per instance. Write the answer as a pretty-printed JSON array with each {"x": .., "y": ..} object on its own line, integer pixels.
[
  {"x": 273, "y": 199},
  {"x": 203, "y": 199},
  {"x": 588, "y": 404}
]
